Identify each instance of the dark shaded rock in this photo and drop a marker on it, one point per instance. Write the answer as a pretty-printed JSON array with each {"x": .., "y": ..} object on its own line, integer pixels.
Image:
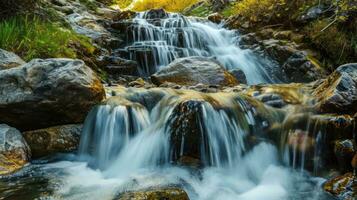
[
  {"x": 248, "y": 40},
  {"x": 218, "y": 5},
  {"x": 338, "y": 93},
  {"x": 300, "y": 68},
  {"x": 194, "y": 70},
  {"x": 11, "y": 8},
  {"x": 239, "y": 75},
  {"x": 50, "y": 92},
  {"x": 9, "y": 60},
  {"x": 343, "y": 187},
  {"x": 186, "y": 135},
  {"x": 119, "y": 66},
  {"x": 156, "y": 14},
  {"x": 344, "y": 151},
  {"x": 14, "y": 151},
  {"x": 273, "y": 100},
  {"x": 216, "y": 18},
  {"x": 124, "y": 15},
  {"x": 151, "y": 194},
  {"x": 58, "y": 139}
]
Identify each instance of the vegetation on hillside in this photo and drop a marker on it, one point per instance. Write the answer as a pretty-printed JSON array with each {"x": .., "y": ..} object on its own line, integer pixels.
[
  {"x": 142, "y": 5},
  {"x": 31, "y": 37}
]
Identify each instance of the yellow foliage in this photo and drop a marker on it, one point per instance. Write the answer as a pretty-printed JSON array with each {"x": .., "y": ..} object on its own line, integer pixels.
[
  {"x": 169, "y": 5},
  {"x": 122, "y": 3},
  {"x": 257, "y": 10}
]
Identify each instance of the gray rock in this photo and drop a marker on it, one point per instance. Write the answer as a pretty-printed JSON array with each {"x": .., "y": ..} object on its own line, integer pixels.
[
  {"x": 239, "y": 75},
  {"x": 14, "y": 151},
  {"x": 301, "y": 69},
  {"x": 50, "y": 92},
  {"x": 57, "y": 139},
  {"x": 194, "y": 70},
  {"x": 311, "y": 14},
  {"x": 338, "y": 93},
  {"x": 9, "y": 60}
]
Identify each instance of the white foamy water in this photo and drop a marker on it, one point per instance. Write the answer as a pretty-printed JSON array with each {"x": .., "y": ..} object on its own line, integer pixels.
[
  {"x": 138, "y": 155},
  {"x": 155, "y": 43}
]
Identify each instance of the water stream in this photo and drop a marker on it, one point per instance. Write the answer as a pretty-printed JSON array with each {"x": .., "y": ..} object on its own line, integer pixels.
[
  {"x": 155, "y": 41},
  {"x": 213, "y": 146}
]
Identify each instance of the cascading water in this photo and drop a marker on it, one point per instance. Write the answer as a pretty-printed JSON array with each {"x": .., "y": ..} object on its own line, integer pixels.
[
  {"x": 156, "y": 39},
  {"x": 210, "y": 145}
]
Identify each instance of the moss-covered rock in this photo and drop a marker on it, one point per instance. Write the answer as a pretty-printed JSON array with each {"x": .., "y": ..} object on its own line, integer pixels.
[{"x": 155, "y": 194}]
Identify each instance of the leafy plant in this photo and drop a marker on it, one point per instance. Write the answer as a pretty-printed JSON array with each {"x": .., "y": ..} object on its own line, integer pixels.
[{"x": 31, "y": 38}]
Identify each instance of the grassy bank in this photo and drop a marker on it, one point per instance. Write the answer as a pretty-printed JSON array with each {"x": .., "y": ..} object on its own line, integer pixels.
[{"x": 31, "y": 37}]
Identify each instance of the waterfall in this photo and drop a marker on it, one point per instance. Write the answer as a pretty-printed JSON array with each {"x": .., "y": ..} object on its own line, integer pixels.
[
  {"x": 117, "y": 134},
  {"x": 155, "y": 41}
]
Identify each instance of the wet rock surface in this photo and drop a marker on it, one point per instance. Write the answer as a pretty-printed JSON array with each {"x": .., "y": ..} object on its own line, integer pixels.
[
  {"x": 338, "y": 93},
  {"x": 194, "y": 70},
  {"x": 48, "y": 92},
  {"x": 14, "y": 151},
  {"x": 165, "y": 193},
  {"x": 343, "y": 187},
  {"x": 186, "y": 135},
  {"x": 58, "y": 139},
  {"x": 295, "y": 65}
]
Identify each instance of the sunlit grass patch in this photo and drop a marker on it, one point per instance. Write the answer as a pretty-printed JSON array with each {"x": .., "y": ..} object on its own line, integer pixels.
[{"x": 31, "y": 37}]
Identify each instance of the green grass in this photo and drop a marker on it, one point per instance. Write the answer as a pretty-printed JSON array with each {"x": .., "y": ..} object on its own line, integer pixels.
[
  {"x": 201, "y": 11},
  {"x": 31, "y": 37}
]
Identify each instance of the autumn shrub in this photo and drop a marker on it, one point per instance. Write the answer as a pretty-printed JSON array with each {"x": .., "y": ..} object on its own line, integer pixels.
[
  {"x": 123, "y": 3},
  {"x": 337, "y": 45},
  {"x": 31, "y": 37},
  {"x": 169, "y": 5}
]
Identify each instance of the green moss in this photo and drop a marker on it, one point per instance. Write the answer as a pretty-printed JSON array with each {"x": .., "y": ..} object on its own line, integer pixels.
[
  {"x": 31, "y": 38},
  {"x": 229, "y": 10},
  {"x": 89, "y": 4},
  {"x": 201, "y": 11},
  {"x": 336, "y": 45}
]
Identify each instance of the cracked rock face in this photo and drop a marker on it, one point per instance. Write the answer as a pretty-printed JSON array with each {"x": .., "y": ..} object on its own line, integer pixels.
[{"x": 14, "y": 151}]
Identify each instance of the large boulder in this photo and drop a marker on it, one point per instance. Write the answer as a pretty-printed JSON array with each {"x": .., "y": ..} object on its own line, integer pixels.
[
  {"x": 58, "y": 139},
  {"x": 338, "y": 93},
  {"x": 14, "y": 151},
  {"x": 194, "y": 70},
  {"x": 164, "y": 194},
  {"x": 44, "y": 93},
  {"x": 9, "y": 60}
]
